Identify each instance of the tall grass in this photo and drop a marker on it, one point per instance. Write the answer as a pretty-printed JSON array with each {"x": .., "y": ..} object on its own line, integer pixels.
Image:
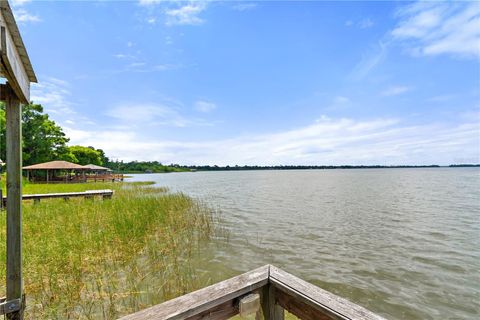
[{"x": 91, "y": 259}]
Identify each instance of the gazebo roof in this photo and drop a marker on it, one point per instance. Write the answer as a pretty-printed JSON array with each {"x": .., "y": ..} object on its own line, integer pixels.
[
  {"x": 55, "y": 165},
  {"x": 95, "y": 167}
]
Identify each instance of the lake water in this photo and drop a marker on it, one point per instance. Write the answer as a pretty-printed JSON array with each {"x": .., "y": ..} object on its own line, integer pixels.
[{"x": 404, "y": 243}]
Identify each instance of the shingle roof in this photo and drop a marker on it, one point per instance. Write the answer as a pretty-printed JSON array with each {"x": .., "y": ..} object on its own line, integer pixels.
[{"x": 55, "y": 165}]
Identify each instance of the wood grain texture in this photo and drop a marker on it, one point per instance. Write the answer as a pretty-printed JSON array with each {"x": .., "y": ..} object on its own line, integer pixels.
[
  {"x": 14, "y": 202},
  {"x": 325, "y": 302},
  {"x": 206, "y": 299},
  {"x": 300, "y": 309},
  {"x": 105, "y": 194},
  {"x": 221, "y": 312},
  {"x": 12, "y": 66}
]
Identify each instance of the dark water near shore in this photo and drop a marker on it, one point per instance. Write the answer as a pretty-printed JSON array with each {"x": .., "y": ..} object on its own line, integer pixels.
[{"x": 404, "y": 243}]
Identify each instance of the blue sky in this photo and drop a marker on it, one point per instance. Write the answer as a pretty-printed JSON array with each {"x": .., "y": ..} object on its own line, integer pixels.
[{"x": 266, "y": 83}]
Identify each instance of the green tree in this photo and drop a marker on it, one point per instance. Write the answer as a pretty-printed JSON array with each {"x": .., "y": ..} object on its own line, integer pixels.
[
  {"x": 86, "y": 155},
  {"x": 43, "y": 139}
]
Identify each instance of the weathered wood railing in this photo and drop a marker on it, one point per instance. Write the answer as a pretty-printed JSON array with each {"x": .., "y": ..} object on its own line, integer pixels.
[
  {"x": 105, "y": 194},
  {"x": 104, "y": 177},
  {"x": 276, "y": 290}
]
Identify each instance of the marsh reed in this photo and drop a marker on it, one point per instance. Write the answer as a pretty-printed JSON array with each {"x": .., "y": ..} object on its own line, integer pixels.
[{"x": 94, "y": 259}]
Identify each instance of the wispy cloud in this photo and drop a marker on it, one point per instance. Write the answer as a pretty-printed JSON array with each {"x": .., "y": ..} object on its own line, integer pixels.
[
  {"x": 327, "y": 141},
  {"x": 432, "y": 28},
  {"x": 19, "y": 3},
  {"x": 187, "y": 14},
  {"x": 366, "y": 23},
  {"x": 395, "y": 90},
  {"x": 22, "y": 15},
  {"x": 362, "y": 24},
  {"x": 53, "y": 94},
  {"x": 136, "y": 64},
  {"x": 205, "y": 106},
  {"x": 428, "y": 28},
  {"x": 173, "y": 13},
  {"x": 152, "y": 20},
  {"x": 370, "y": 60},
  {"x": 147, "y": 3},
  {"x": 55, "y": 97},
  {"x": 143, "y": 67},
  {"x": 244, "y": 6},
  {"x": 146, "y": 115}
]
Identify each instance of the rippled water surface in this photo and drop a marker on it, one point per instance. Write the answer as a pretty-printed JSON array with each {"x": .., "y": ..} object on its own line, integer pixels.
[{"x": 404, "y": 243}]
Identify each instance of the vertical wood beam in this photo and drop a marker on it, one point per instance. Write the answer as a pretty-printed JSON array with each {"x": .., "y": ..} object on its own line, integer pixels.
[
  {"x": 14, "y": 201},
  {"x": 271, "y": 310}
]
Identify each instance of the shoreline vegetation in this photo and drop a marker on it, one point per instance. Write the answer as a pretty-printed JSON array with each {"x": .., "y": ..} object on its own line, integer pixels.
[
  {"x": 93, "y": 259},
  {"x": 156, "y": 167}
]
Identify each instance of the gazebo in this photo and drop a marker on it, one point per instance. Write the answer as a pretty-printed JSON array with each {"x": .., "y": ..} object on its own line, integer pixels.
[{"x": 56, "y": 171}]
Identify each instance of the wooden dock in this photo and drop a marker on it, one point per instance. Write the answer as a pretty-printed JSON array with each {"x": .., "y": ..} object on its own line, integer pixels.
[
  {"x": 105, "y": 194},
  {"x": 267, "y": 290}
]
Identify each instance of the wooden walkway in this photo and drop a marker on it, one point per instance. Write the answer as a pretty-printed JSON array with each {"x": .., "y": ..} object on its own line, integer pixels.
[
  {"x": 266, "y": 290},
  {"x": 105, "y": 194}
]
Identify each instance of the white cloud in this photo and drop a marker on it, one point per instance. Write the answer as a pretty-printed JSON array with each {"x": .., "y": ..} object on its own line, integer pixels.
[
  {"x": 55, "y": 97},
  {"x": 22, "y": 15},
  {"x": 150, "y": 115},
  {"x": 147, "y": 3},
  {"x": 327, "y": 141},
  {"x": 370, "y": 61},
  {"x": 205, "y": 106},
  {"x": 53, "y": 94},
  {"x": 432, "y": 28},
  {"x": 395, "y": 90},
  {"x": 152, "y": 20},
  {"x": 123, "y": 56},
  {"x": 362, "y": 24},
  {"x": 187, "y": 14},
  {"x": 19, "y": 3}
]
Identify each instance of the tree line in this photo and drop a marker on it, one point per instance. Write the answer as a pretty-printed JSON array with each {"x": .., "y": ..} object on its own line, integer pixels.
[{"x": 44, "y": 140}]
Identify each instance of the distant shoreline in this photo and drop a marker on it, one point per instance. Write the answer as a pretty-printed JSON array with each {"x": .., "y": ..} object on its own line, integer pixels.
[{"x": 345, "y": 167}]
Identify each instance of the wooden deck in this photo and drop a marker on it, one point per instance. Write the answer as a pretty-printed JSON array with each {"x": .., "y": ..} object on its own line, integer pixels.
[
  {"x": 105, "y": 194},
  {"x": 277, "y": 291},
  {"x": 80, "y": 178}
]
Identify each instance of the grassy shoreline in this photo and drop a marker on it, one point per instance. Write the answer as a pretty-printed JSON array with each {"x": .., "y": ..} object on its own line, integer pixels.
[{"x": 90, "y": 259}]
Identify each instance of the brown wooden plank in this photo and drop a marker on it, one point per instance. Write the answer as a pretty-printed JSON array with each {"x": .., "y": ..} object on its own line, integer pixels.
[
  {"x": 222, "y": 312},
  {"x": 271, "y": 309},
  {"x": 12, "y": 64},
  {"x": 14, "y": 202},
  {"x": 36, "y": 197},
  {"x": 299, "y": 308},
  {"x": 205, "y": 299},
  {"x": 325, "y": 302}
]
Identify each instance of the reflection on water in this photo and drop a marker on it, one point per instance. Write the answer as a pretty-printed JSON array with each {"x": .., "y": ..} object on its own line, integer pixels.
[{"x": 404, "y": 243}]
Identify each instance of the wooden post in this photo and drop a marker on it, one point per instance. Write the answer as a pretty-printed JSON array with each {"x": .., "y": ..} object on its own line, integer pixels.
[
  {"x": 271, "y": 310},
  {"x": 14, "y": 202}
]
